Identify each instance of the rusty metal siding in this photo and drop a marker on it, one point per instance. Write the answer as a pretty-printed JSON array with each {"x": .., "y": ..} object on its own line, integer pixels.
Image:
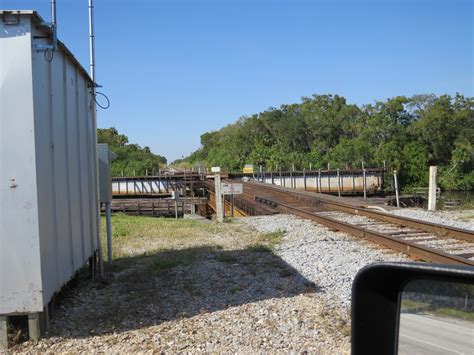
[{"x": 60, "y": 126}]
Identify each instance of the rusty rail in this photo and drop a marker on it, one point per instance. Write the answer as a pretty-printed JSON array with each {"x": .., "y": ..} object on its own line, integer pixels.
[
  {"x": 407, "y": 247},
  {"x": 331, "y": 204}
]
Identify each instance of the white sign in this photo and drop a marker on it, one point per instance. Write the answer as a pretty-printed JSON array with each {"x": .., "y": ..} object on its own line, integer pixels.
[
  {"x": 232, "y": 189},
  {"x": 216, "y": 169}
]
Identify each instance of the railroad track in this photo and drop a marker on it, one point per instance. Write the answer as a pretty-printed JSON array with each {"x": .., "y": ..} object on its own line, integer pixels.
[{"x": 419, "y": 239}]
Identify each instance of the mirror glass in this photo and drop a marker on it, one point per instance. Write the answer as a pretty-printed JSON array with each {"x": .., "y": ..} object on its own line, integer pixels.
[{"x": 436, "y": 317}]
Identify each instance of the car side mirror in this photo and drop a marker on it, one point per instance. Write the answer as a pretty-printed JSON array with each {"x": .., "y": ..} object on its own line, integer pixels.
[{"x": 381, "y": 291}]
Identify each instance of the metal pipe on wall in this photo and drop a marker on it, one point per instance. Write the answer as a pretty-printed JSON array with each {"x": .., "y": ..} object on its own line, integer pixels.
[
  {"x": 54, "y": 24},
  {"x": 93, "y": 92},
  {"x": 108, "y": 219},
  {"x": 92, "y": 45}
]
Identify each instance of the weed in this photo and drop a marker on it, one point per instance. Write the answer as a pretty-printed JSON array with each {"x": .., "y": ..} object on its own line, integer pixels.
[
  {"x": 226, "y": 258},
  {"x": 235, "y": 289},
  {"x": 285, "y": 273},
  {"x": 273, "y": 238},
  {"x": 259, "y": 248}
]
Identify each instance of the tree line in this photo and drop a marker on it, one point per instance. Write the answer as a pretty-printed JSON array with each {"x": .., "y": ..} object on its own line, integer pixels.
[
  {"x": 131, "y": 158},
  {"x": 407, "y": 133}
]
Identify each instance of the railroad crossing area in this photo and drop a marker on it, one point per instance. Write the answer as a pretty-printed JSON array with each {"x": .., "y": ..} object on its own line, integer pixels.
[{"x": 366, "y": 215}]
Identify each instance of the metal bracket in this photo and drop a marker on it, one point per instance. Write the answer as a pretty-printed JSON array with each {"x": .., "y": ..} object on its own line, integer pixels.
[
  {"x": 45, "y": 24},
  {"x": 43, "y": 47}
]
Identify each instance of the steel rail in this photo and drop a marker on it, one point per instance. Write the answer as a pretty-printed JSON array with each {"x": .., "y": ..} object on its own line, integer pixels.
[
  {"x": 439, "y": 229},
  {"x": 407, "y": 247}
]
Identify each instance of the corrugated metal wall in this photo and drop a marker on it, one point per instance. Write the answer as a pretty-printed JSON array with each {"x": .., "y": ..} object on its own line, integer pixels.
[
  {"x": 20, "y": 272},
  {"x": 63, "y": 167}
]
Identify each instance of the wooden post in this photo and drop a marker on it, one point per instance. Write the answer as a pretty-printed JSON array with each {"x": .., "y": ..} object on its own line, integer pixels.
[
  {"x": 395, "y": 179},
  {"x": 232, "y": 206},
  {"x": 432, "y": 189},
  {"x": 223, "y": 204}
]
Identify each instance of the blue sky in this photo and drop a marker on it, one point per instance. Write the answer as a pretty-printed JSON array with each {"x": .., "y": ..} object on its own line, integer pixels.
[{"x": 176, "y": 69}]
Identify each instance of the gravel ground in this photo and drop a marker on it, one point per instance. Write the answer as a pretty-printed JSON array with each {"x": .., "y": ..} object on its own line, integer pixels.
[
  {"x": 329, "y": 259},
  {"x": 221, "y": 291},
  {"x": 460, "y": 219},
  {"x": 226, "y": 293}
]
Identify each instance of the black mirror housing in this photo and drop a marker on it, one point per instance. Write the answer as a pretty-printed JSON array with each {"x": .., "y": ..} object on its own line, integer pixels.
[{"x": 376, "y": 295}]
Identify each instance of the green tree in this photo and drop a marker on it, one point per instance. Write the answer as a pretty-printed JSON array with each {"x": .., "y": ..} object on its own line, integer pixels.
[{"x": 130, "y": 157}]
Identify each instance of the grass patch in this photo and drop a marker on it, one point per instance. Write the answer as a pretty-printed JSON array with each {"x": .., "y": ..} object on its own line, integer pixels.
[
  {"x": 145, "y": 246},
  {"x": 163, "y": 264},
  {"x": 226, "y": 258},
  {"x": 286, "y": 273},
  {"x": 273, "y": 238},
  {"x": 428, "y": 308},
  {"x": 454, "y": 313},
  {"x": 413, "y": 306},
  {"x": 140, "y": 235},
  {"x": 235, "y": 289},
  {"x": 259, "y": 248},
  {"x": 171, "y": 259}
]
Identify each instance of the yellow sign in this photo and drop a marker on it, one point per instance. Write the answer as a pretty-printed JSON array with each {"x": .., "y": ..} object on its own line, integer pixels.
[{"x": 248, "y": 169}]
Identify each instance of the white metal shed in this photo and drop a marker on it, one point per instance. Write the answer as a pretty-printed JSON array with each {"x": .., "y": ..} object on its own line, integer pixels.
[{"x": 49, "y": 213}]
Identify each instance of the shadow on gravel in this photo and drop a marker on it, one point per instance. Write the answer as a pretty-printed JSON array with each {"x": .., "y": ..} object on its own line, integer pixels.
[{"x": 148, "y": 290}]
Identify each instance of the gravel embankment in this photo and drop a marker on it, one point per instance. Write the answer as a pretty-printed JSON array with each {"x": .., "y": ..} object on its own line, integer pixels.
[
  {"x": 328, "y": 259},
  {"x": 459, "y": 219}
]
